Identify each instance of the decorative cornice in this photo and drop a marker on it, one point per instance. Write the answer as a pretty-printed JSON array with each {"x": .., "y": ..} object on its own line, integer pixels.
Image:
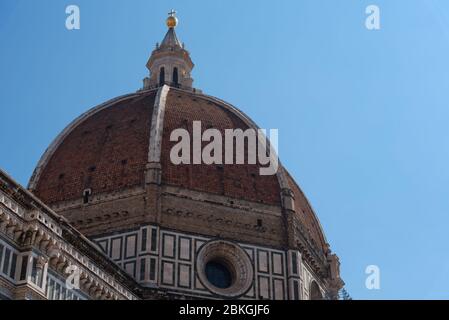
[{"x": 62, "y": 245}]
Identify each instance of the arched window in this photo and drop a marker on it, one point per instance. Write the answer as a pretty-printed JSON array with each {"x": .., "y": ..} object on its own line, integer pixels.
[
  {"x": 315, "y": 292},
  {"x": 175, "y": 76},
  {"x": 86, "y": 195},
  {"x": 162, "y": 76}
]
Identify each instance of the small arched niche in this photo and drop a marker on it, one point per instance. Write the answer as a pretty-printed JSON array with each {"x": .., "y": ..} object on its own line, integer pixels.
[
  {"x": 162, "y": 76},
  {"x": 175, "y": 76}
]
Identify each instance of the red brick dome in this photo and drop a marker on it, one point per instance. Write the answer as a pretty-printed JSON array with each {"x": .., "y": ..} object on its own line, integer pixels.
[
  {"x": 105, "y": 149},
  {"x": 108, "y": 149}
]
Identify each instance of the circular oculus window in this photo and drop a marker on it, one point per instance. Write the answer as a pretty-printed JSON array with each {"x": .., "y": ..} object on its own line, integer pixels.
[{"x": 224, "y": 268}]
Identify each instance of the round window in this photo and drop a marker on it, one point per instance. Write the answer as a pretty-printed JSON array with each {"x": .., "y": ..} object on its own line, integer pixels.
[
  {"x": 218, "y": 274},
  {"x": 224, "y": 268}
]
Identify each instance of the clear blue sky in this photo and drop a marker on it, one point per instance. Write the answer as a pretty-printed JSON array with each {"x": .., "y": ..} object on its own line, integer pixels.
[{"x": 363, "y": 116}]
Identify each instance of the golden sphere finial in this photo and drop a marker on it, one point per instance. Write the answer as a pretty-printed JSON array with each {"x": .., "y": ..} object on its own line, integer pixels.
[{"x": 172, "y": 21}]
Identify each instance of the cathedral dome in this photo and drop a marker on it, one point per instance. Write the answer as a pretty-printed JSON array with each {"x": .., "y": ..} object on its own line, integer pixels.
[
  {"x": 111, "y": 171},
  {"x": 107, "y": 149}
]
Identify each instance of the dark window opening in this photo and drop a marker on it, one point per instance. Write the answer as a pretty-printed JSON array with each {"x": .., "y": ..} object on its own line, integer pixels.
[
  {"x": 175, "y": 76},
  {"x": 294, "y": 263},
  {"x": 1, "y": 253},
  {"x": 259, "y": 222},
  {"x": 295, "y": 290},
  {"x": 152, "y": 269},
  {"x": 34, "y": 271},
  {"x": 57, "y": 291},
  {"x": 162, "y": 76},
  {"x": 6, "y": 261},
  {"x": 142, "y": 269},
  {"x": 153, "y": 239},
  {"x": 218, "y": 274},
  {"x": 144, "y": 240},
  {"x": 23, "y": 271},
  {"x": 50, "y": 289},
  {"x": 86, "y": 195},
  {"x": 12, "y": 271}
]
